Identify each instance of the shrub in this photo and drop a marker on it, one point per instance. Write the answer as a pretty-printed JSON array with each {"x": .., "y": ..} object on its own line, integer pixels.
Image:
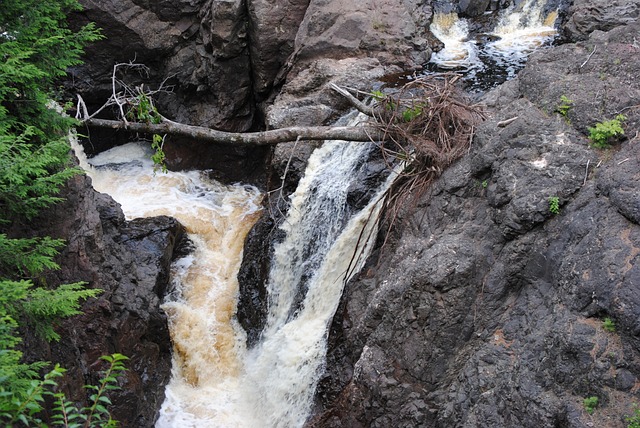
[
  {"x": 590, "y": 404},
  {"x": 554, "y": 205},
  {"x": 633, "y": 421},
  {"x": 565, "y": 105},
  {"x": 604, "y": 133},
  {"x": 36, "y": 49},
  {"x": 609, "y": 325}
]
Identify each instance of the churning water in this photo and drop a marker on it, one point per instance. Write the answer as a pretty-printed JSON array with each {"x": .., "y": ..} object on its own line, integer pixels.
[
  {"x": 491, "y": 58},
  {"x": 216, "y": 381}
]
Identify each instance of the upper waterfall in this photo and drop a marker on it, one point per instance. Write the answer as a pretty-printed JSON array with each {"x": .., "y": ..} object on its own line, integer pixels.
[{"x": 497, "y": 55}]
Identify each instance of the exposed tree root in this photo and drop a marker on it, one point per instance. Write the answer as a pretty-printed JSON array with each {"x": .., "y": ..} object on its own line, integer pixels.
[{"x": 428, "y": 124}]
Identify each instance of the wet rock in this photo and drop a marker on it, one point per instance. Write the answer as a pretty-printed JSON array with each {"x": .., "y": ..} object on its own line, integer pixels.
[
  {"x": 486, "y": 309},
  {"x": 473, "y": 8},
  {"x": 129, "y": 261},
  {"x": 587, "y": 16}
]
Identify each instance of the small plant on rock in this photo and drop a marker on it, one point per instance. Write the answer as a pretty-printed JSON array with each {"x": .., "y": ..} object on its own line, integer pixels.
[
  {"x": 590, "y": 404},
  {"x": 378, "y": 95},
  {"x": 609, "y": 325},
  {"x": 565, "y": 105},
  {"x": 634, "y": 420},
  {"x": 604, "y": 133},
  {"x": 554, "y": 205}
]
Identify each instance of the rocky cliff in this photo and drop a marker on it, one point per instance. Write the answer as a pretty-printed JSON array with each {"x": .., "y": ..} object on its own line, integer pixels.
[
  {"x": 129, "y": 261},
  {"x": 488, "y": 309}
]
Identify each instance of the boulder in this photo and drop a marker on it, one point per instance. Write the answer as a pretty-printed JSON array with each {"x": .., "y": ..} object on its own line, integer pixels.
[
  {"x": 129, "y": 261},
  {"x": 472, "y": 8},
  {"x": 586, "y": 16}
]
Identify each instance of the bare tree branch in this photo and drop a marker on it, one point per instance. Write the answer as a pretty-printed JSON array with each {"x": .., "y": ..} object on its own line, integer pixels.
[
  {"x": 264, "y": 138},
  {"x": 359, "y": 105}
]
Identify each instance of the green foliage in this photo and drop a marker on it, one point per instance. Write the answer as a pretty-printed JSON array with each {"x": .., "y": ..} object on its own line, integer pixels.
[
  {"x": 97, "y": 414},
  {"x": 378, "y": 95},
  {"x": 158, "y": 156},
  {"x": 25, "y": 409},
  {"x": 565, "y": 105},
  {"x": 412, "y": 112},
  {"x": 609, "y": 325},
  {"x": 43, "y": 307},
  {"x": 554, "y": 205},
  {"x": 604, "y": 133},
  {"x": 590, "y": 404},
  {"x": 36, "y": 48},
  {"x": 39, "y": 308},
  {"x": 143, "y": 110},
  {"x": 27, "y": 256},
  {"x": 485, "y": 184},
  {"x": 633, "y": 421},
  {"x": 31, "y": 170}
]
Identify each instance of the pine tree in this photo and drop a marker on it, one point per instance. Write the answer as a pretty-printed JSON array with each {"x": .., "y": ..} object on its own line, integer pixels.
[{"x": 36, "y": 49}]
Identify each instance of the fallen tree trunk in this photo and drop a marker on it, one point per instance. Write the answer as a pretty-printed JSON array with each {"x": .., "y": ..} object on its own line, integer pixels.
[
  {"x": 137, "y": 113},
  {"x": 313, "y": 133}
]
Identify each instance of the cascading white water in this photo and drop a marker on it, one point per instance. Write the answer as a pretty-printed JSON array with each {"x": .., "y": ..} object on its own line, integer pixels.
[
  {"x": 319, "y": 249},
  {"x": 208, "y": 342},
  {"x": 519, "y": 31},
  {"x": 216, "y": 381},
  {"x": 459, "y": 52}
]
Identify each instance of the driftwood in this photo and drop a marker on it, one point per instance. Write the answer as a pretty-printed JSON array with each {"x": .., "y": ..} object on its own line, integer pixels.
[
  {"x": 506, "y": 122},
  {"x": 129, "y": 102},
  {"x": 430, "y": 115},
  {"x": 275, "y": 136}
]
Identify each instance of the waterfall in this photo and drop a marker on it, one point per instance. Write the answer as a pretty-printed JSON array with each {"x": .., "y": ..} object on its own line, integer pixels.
[
  {"x": 520, "y": 31},
  {"x": 208, "y": 341},
  {"x": 459, "y": 52},
  {"x": 316, "y": 255},
  {"x": 499, "y": 54},
  {"x": 216, "y": 381}
]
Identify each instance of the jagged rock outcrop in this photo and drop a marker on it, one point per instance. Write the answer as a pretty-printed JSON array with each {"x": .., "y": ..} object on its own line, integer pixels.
[
  {"x": 587, "y": 16},
  {"x": 487, "y": 309},
  {"x": 129, "y": 260}
]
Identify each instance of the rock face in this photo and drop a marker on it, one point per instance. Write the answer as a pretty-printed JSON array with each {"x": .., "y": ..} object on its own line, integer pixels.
[
  {"x": 224, "y": 62},
  {"x": 130, "y": 262},
  {"x": 586, "y": 16},
  {"x": 201, "y": 51},
  {"x": 488, "y": 309}
]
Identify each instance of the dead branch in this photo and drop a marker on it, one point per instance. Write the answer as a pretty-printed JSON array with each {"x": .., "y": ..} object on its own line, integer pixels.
[
  {"x": 359, "y": 105},
  {"x": 123, "y": 96},
  {"x": 589, "y": 57},
  {"x": 428, "y": 125},
  {"x": 263, "y": 138},
  {"x": 506, "y": 122},
  {"x": 128, "y": 101}
]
